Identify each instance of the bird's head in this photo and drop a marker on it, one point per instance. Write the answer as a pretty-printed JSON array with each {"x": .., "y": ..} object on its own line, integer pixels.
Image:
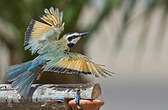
[{"x": 73, "y": 38}]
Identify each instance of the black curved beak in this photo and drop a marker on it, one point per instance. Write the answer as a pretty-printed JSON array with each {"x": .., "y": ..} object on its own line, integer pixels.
[{"x": 83, "y": 34}]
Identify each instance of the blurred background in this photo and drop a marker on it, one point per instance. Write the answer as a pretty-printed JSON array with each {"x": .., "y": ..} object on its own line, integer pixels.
[{"x": 129, "y": 36}]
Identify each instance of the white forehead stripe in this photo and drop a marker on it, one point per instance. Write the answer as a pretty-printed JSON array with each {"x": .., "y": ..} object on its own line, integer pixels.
[{"x": 74, "y": 34}]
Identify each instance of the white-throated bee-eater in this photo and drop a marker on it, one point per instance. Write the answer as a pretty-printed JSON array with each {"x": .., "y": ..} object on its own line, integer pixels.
[{"x": 54, "y": 53}]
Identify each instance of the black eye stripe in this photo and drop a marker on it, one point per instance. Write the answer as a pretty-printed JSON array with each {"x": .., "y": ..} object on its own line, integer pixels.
[
  {"x": 73, "y": 37},
  {"x": 69, "y": 38}
]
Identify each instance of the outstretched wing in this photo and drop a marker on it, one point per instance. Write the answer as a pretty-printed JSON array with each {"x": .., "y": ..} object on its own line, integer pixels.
[
  {"x": 39, "y": 33},
  {"x": 77, "y": 64}
]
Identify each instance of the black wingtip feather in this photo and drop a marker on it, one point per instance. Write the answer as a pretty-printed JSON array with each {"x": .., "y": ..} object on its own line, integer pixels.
[
  {"x": 29, "y": 31},
  {"x": 66, "y": 70}
]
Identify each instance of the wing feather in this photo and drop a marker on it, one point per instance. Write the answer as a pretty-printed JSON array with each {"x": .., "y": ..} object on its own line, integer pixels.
[
  {"x": 78, "y": 64},
  {"x": 91, "y": 69},
  {"x": 85, "y": 67},
  {"x": 38, "y": 34},
  {"x": 46, "y": 19},
  {"x": 71, "y": 64}
]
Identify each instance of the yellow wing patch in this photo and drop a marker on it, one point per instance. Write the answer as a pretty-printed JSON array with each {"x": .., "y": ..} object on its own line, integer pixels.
[
  {"x": 79, "y": 65},
  {"x": 37, "y": 31}
]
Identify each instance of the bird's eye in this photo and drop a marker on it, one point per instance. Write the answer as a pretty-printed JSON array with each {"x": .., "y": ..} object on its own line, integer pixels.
[{"x": 70, "y": 38}]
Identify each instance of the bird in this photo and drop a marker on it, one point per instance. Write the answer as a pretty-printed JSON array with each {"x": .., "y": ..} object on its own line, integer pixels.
[{"x": 54, "y": 55}]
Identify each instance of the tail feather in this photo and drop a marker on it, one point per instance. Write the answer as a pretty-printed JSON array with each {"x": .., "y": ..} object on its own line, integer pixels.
[
  {"x": 15, "y": 67},
  {"x": 17, "y": 70},
  {"x": 25, "y": 86},
  {"x": 21, "y": 78}
]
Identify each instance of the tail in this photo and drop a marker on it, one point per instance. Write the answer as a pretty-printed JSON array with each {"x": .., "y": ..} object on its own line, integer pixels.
[{"x": 21, "y": 78}]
